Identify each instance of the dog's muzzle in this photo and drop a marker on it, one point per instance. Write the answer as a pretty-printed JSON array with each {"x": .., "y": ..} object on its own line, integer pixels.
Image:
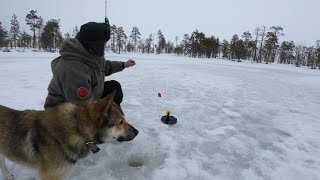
[{"x": 129, "y": 136}]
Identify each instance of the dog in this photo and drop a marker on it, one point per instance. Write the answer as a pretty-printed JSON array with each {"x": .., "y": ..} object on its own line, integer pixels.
[{"x": 53, "y": 140}]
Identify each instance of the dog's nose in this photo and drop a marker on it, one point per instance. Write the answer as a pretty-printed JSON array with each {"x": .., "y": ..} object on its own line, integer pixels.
[{"x": 136, "y": 132}]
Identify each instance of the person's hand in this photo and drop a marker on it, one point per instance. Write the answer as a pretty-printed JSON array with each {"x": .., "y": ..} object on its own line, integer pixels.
[{"x": 129, "y": 63}]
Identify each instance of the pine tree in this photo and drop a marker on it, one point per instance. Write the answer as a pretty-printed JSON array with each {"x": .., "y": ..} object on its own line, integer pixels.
[
  {"x": 169, "y": 47},
  {"x": 257, "y": 32},
  {"x": 211, "y": 46},
  {"x": 135, "y": 36},
  {"x": 176, "y": 39},
  {"x": 186, "y": 45},
  {"x": 75, "y": 31},
  {"x": 311, "y": 58},
  {"x": 240, "y": 50},
  {"x": 251, "y": 49},
  {"x": 149, "y": 44},
  {"x": 39, "y": 26},
  {"x": 271, "y": 40},
  {"x": 25, "y": 40},
  {"x": 225, "y": 49},
  {"x": 130, "y": 47},
  {"x": 262, "y": 34},
  {"x": 277, "y": 32},
  {"x": 247, "y": 38},
  {"x": 113, "y": 39},
  {"x": 178, "y": 49},
  {"x": 299, "y": 58},
  {"x": 121, "y": 38},
  {"x": 32, "y": 20},
  {"x": 51, "y": 37},
  {"x": 286, "y": 53},
  {"x": 3, "y": 36},
  {"x": 318, "y": 53},
  {"x": 196, "y": 42},
  {"x": 161, "y": 42},
  {"x": 141, "y": 46},
  {"x": 216, "y": 46},
  {"x": 15, "y": 30},
  {"x": 207, "y": 45},
  {"x": 233, "y": 45}
]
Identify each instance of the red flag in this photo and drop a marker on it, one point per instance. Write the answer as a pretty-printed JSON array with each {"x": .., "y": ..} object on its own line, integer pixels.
[{"x": 159, "y": 94}]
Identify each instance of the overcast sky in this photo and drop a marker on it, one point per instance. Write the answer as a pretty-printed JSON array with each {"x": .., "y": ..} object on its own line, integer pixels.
[{"x": 221, "y": 18}]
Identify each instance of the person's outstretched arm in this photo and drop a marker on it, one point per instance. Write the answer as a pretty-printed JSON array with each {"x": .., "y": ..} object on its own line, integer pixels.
[{"x": 116, "y": 66}]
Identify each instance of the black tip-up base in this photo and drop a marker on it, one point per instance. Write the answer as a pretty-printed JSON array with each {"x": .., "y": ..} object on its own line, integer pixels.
[{"x": 169, "y": 120}]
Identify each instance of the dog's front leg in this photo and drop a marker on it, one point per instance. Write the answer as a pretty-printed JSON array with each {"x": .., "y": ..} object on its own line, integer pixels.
[{"x": 4, "y": 170}]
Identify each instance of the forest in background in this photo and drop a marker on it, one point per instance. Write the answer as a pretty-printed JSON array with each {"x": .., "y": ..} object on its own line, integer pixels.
[{"x": 260, "y": 46}]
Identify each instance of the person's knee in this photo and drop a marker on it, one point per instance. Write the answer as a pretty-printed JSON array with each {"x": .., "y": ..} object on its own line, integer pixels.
[{"x": 116, "y": 85}]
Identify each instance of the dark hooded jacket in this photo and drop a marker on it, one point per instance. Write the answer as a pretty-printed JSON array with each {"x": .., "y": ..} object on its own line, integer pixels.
[{"x": 77, "y": 68}]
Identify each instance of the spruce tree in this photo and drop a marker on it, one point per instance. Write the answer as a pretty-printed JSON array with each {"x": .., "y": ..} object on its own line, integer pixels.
[
  {"x": 39, "y": 26},
  {"x": 3, "y": 36},
  {"x": 135, "y": 36},
  {"x": 161, "y": 42},
  {"x": 233, "y": 46},
  {"x": 121, "y": 38},
  {"x": 14, "y": 30},
  {"x": 149, "y": 44},
  {"x": 25, "y": 39},
  {"x": 225, "y": 47},
  {"x": 113, "y": 39},
  {"x": 51, "y": 37}
]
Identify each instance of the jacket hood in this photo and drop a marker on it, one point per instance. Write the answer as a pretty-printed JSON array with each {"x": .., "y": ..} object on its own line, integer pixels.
[{"x": 72, "y": 49}]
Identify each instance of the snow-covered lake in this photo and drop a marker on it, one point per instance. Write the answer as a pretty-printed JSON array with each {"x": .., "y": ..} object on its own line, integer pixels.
[{"x": 236, "y": 121}]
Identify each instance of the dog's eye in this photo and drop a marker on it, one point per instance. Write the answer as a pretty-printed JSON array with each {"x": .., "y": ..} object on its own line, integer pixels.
[{"x": 121, "y": 122}]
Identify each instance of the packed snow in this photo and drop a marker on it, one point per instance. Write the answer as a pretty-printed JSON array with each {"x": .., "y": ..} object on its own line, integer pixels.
[{"x": 236, "y": 121}]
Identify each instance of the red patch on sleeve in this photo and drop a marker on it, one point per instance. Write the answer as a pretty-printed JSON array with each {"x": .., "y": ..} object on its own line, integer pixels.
[{"x": 82, "y": 93}]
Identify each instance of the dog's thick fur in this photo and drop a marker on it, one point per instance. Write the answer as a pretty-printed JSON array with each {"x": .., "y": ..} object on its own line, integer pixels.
[{"x": 54, "y": 139}]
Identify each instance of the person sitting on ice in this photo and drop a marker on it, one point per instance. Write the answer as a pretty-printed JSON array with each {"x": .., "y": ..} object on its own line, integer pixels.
[{"x": 79, "y": 73}]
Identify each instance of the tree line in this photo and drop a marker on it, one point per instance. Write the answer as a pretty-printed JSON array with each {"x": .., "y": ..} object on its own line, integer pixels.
[
  {"x": 261, "y": 46},
  {"x": 45, "y": 36}
]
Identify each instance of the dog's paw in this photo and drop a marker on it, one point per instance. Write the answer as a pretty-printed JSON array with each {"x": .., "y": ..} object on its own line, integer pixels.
[{"x": 9, "y": 176}]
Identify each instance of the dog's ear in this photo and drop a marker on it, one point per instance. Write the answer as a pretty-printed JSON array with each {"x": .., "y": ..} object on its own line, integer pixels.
[
  {"x": 103, "y": 105},
  {"x": 110, "y": 97}
]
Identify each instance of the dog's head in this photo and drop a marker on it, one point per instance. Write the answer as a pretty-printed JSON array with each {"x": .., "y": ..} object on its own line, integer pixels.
[{"x": 110, "y": 121}]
